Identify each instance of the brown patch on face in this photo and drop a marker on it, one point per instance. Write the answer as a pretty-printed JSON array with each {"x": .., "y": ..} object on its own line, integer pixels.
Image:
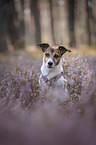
[
  {"x": 56, "y": 59},
  {"x": 48, "y": 50},
  {"x": 53, "y": 51},
  {"x": 46, "y": 59}
]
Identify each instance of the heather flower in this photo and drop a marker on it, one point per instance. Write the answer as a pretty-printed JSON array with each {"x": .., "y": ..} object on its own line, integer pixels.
[
  {"x": 28, "y": 113},
  {"x": 22, "y": 82}
]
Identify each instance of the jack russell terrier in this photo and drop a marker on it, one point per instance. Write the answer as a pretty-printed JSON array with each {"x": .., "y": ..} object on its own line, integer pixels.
[{"x": 51, "y": 69}]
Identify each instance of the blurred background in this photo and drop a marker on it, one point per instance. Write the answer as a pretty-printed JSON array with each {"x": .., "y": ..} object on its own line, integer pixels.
[
  {"x": 27, "y": 114},
  {"x": 26, "y": 23}
]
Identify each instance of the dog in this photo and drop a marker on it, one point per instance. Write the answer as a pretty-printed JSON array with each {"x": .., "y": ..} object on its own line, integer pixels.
[{"x": 52, "y": 74}]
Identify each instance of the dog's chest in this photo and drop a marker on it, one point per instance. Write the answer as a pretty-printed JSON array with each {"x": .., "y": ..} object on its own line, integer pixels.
[
  {"x": 49, "y": 74},
  {"x": 58, "y": 82},
  {"x": 43, "y": 81}
]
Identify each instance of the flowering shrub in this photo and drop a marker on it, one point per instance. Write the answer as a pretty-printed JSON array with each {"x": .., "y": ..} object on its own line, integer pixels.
[
  {"x": 81, "y": 77},
  {"x": 30, "y": 116},
  {"x": 19, "y": 85}
]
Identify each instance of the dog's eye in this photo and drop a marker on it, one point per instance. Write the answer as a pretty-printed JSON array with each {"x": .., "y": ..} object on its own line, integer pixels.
[
  {"x": 47, "y": 54},
  {"x": 56, "y": 55}
]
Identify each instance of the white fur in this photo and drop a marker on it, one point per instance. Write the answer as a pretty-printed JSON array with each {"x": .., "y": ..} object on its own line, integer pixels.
[
  {"x": 50, "y": 73},
  {"x": 61, "y": 83},
  {"x": 50, "y": 60}
]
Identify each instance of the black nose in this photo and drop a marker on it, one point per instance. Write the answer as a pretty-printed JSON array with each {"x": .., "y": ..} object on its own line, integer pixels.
[{"x": 50, "y": 63}]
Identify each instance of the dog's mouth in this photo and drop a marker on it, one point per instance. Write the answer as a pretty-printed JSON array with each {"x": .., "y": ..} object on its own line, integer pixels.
[
  {"x": 50, "y": 64},
  {"x": 50, "y": 67}
]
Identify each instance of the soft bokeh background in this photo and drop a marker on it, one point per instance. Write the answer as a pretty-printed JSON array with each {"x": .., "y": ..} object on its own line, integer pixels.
[
  {"x": 25, "y": 23},
  {"x": 29, "y": 115}
]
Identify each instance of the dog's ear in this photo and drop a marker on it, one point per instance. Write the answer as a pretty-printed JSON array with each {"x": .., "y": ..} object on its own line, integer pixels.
[
  {"x": 44, "y": 46},
  {"x": 63, "y": 50}
]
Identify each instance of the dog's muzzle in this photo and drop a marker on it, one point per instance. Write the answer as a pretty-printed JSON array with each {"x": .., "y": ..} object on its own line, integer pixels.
[{"x": 50, "y": 64}]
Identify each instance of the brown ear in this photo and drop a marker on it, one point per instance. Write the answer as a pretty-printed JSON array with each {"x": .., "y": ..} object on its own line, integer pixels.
[
  {"x": 63, "y": 50},
  {"x": 44, "y": 46}
]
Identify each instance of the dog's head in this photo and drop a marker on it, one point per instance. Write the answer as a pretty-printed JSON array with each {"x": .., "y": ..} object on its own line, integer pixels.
[{"x": 52, "y": 55}]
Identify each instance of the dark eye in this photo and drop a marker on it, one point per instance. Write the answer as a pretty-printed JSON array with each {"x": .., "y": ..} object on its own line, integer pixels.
[
  {"x": 56, "y": 55},
  {"x": 47, "y": 54}
]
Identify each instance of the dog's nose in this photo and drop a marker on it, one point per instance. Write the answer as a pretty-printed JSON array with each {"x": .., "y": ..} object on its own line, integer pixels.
[{"x": 50, "y": 63}]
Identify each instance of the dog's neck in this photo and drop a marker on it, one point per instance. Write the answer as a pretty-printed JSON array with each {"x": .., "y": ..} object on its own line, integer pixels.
[{"x": 51, "y": 72}]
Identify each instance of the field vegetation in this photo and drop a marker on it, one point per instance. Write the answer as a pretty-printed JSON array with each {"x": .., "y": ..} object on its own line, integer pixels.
[{"x": 30, "y": 116}]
